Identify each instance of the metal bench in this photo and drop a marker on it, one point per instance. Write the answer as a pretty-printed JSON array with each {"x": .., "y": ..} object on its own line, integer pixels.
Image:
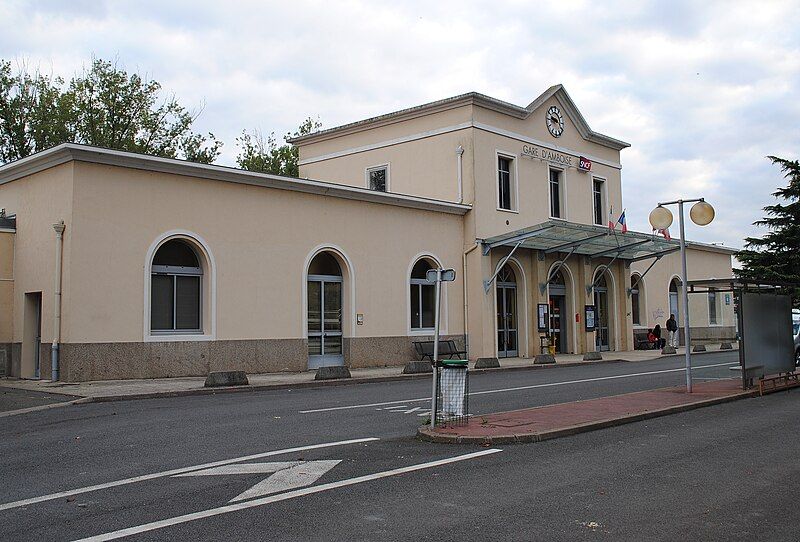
[{"x": 447, "y": 348}]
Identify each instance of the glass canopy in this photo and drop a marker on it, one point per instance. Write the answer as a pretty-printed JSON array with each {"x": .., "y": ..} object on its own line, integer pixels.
[{"x": 593, "y": 241}]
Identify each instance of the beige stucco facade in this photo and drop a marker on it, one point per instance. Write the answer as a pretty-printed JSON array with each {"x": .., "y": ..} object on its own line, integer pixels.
[{"x": 256, "y": 235}]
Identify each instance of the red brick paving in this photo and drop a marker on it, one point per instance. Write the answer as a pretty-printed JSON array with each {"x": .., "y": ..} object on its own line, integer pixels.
[{"x": 553, "y": 420}]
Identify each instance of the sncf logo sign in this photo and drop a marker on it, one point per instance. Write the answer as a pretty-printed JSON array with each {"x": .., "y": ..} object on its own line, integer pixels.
[{"x": 585, "y": 164}]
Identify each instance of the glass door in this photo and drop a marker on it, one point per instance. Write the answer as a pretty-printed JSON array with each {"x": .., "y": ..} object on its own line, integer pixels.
[
  {"x": 324, "y": 321},
  {"x": 558, "y": 327},
  {"x": 601, "y": 303},
  {"x": 507, "y": 321}
]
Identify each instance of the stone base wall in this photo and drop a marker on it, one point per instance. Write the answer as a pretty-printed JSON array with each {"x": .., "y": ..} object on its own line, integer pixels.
[
  {"x": 119, "y": 361},
  {"x": 5, "y": 359}
]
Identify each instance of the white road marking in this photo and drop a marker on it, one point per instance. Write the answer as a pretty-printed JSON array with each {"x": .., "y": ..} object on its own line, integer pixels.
[
  {"x": 410, "y": 410},
  {"x": 520, "y": 388},
  {"x": 286, "y": 475},
  {"x": 280, "y": 497},
  {"x": 78, "y": 491}
]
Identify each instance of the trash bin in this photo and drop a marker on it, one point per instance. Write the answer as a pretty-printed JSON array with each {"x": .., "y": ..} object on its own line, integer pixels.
[{"x": 453, "y": 386}]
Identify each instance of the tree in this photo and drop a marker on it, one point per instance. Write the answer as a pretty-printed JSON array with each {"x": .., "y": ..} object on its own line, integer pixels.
[
  {"x": 266, "y": 156},
  {"x": 34, "y": 113},
  {"x": 776, "y": 255},
  {"x": 104, "y": 106}
]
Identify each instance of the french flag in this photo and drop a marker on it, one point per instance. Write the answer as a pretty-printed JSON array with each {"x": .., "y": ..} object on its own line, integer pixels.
[
  {"x": 621, "y": 220},
  {"x": 611, "y": 223}
]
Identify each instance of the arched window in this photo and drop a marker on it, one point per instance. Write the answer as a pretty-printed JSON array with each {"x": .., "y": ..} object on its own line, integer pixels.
[
  {"x": 636, "y": 308},
  {"x": 423, "y": 297},
  {"x": 176, "y": 288}
]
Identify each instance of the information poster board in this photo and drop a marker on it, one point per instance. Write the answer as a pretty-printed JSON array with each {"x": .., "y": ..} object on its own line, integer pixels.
[
  {"x": 542, "y": 316},
  {"x": 590, "y": 317}
]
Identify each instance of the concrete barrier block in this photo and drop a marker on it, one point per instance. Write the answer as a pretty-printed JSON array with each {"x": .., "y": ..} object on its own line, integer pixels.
[
  {"x": 544, "y": 358},
  {"x": 416, "y": 367},
  {"x": 699, "y": 348},
  {"x": 667, "y": 350},
  {"x": 592, "y": 356},
  {"x": 226, "y": 378},
  {"x": 331, "y": 373},
  {"x": 726, "y": 346},
  {"x": 487, "y": 363}
]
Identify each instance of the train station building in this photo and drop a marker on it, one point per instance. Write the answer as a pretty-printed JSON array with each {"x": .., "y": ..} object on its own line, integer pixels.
[{"x": 136, "y": 266}]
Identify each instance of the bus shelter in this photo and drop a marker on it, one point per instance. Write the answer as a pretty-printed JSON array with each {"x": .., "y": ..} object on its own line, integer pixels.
[{"x": 764, "y": 327}]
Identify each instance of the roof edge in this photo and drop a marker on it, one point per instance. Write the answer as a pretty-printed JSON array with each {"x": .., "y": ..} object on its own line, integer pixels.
[
  {"x": 470, "y": 98},
  {"x": 66, "y": 152}
]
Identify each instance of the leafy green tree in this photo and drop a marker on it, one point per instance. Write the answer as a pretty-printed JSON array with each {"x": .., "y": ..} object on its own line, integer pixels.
[
  {"x": 34, "y": 113},
  {"x": 266, "y": 156},
  {"x": 105, "y": 107},
  {"x": 776, "y": 255}
]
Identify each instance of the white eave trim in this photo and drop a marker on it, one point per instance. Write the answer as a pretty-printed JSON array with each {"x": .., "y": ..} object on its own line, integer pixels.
[
  {"x": 454, "y": 128},
  {"x": 471, "y": 98},
  {"x": 69, "y": 151}
]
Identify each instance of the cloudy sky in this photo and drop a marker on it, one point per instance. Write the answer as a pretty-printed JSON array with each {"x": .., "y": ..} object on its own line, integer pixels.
[{"x": 704, "y": 91}]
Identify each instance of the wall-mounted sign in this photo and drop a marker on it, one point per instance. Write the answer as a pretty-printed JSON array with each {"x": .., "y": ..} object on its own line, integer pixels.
[
  {"x": 359, "y": 319},
  {"x": 585, "y": 164},
  {"x": 542, "y": 313},
  {"x": 532, "y": 151},
  {"x": 727, "y": 299},
  {"x": 589, "y": 318}
]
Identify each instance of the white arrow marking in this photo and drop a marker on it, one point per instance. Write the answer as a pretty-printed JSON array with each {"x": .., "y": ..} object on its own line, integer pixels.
[
  {"x": 228, "y": 508},
  {"x": 287, "y": 475}
]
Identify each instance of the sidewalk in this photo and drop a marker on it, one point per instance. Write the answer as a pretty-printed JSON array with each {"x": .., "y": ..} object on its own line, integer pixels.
[
  {"x": 553, "y": 421},
  {"x": 114, "y": 390}
]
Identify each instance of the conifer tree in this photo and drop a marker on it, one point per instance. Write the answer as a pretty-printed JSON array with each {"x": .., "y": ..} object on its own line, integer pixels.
[{"x": 776, "y": 255}]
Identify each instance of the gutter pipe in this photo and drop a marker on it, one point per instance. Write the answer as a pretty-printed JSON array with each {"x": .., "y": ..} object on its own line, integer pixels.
[{"x": 54, "y": 353}]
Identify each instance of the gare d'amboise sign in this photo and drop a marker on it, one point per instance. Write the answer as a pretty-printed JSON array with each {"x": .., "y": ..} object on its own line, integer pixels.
[{"x": 565, "y": 160}]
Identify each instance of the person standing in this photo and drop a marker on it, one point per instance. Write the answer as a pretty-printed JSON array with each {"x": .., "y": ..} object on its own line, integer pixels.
[{"x": 672, "y": 328}]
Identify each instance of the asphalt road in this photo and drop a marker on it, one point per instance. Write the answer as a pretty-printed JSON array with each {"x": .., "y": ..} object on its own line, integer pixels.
[{"x": 719, "y": 473}]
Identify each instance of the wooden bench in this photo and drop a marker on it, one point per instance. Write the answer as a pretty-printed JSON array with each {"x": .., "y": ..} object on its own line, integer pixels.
[
  {"x": 447, "y": 348},
  {"x": 644, "y": 344}
]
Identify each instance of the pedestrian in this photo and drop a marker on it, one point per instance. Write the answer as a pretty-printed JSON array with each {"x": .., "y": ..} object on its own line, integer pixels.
[
  {"x": 652, "y": 341},
  {"x": 672, "y": 328},
  {"x": 657, "y": 332}
]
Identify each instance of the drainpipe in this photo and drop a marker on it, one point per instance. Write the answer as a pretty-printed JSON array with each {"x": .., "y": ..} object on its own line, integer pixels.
[
  {"x": 459, "y": 154},
  {"x": 466, "y": 312},
  {"x": 59, "y": 228}
]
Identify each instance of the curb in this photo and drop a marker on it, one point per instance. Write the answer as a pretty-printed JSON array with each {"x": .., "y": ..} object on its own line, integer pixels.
[
  {"x": 41, "y": 407},
  {"x": 324, "y": 383},
  {"x": 426, "y": 434}
]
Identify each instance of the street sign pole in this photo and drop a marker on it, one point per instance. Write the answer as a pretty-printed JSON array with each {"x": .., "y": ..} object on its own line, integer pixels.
[
  {"x": 438, "y": 276},
  {"x": 434, "y": 395}
]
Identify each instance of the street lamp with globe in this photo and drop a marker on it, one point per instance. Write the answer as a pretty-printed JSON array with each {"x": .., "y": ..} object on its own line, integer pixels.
[{"x": 701, "y": 213}]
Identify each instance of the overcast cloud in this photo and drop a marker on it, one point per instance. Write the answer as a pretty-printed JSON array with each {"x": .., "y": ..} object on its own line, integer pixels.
[{"x": 702, "y": 90}]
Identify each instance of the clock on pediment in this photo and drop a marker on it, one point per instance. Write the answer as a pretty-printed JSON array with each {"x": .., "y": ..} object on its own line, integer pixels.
[{"x": 555, "y": 122}]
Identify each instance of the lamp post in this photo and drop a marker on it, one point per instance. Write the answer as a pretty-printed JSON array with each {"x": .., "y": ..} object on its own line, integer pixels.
[{"x": 701, "y": 213}]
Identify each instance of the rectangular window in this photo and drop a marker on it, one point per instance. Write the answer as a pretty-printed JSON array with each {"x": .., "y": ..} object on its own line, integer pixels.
[
  {"x": 505, "y": 183},
  {"x": 635, "y": 308},
  {"x": 162, "y": 300},
  {"x": 378, "y": 177},
  {"x": 712, "y": 307},
  {"x": 423, "y": 304},
  {"x": 597, "y": 202},
  {"x": 555, "y": 193}
]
